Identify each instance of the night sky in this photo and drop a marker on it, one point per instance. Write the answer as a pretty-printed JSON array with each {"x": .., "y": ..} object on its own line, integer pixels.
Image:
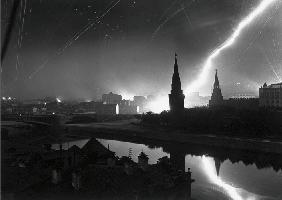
[{"x": 129, "y": 46}]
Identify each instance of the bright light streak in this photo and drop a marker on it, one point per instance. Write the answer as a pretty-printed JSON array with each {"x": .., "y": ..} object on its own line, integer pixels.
[
  {"x": 76, "y": 36},
  {"x": 243, "y": 24},
  {"x": 161, "y": 103},
  {"x": 58, "y": 100},
  {"x": 165, "y": 21},
  {"x": 270, "y": 65},
  {"x": 233, "y": 192}
]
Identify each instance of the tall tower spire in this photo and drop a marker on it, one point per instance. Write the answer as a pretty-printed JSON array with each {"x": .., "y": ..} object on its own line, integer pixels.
[
  {"x": 216, "y": 82},
  {"x": 216, "y": 98},
  {"x": 176, "y": 98},
  {"x": 175, "y": 64}
]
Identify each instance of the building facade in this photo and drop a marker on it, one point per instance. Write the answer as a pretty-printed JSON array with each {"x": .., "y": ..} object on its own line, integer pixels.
[
  {"x": 128, "y": 109},
  {"x": 140, "y": 101},
  {"x": 270, "y": 95},
  {"x": 176, "y": 97},
  {"x": 108, "y": 109},
  {"x": 111, "y": 98}
]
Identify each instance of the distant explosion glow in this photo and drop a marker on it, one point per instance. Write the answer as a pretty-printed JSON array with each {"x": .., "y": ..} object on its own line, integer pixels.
[
  {"x": 161, "y": 103},
  {"x": 243, "y": 24},
  {"x": 126, "y": 95}
]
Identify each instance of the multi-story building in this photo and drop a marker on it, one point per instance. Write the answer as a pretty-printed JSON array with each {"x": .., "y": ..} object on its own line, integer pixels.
[
  {"x": 242, "y": 103},
  {"x": 111, "y": 98},
  {"x": 270, "y": 95},
  {"x": 140, "y": 101},
  {"x": 127, "y": 107},
  {"x": 107, "y": 109}
]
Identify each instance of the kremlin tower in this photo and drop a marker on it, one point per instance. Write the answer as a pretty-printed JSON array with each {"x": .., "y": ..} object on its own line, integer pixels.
[
  {"x": 176, "y": 98},
  {"x": 216, "y": 98}
]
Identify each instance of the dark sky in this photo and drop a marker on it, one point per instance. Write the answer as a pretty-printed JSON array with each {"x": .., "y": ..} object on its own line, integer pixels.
[{"x": 129, "y": 48}]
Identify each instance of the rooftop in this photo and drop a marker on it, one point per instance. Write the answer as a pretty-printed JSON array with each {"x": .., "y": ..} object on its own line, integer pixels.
[{"x": 276, "y": 85}]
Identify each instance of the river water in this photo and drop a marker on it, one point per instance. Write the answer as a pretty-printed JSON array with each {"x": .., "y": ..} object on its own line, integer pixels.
[{"x": 219, "y": 174}]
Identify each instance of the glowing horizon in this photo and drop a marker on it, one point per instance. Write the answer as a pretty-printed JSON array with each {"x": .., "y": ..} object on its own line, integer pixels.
[{"x": 159, "y": 104}]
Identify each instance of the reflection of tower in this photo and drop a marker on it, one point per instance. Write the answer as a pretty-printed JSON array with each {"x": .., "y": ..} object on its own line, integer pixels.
[
  {"x": 130, "y": 152},
  {"x": 216, "y": 98},
  {"x": 176, "y": 98},
  {"x": 177, "y": 159},
  {"x": 217, "y": 164},
  {"x": 143, "y": 161}
]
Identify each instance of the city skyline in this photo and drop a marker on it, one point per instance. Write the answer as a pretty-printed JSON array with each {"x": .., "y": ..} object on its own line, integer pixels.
[
  {"x": 141, "y": 99},
  {"x": 105, "y": 58}
]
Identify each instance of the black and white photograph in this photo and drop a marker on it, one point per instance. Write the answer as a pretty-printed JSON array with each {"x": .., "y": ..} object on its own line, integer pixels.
[{"x": 141, "y": 99}]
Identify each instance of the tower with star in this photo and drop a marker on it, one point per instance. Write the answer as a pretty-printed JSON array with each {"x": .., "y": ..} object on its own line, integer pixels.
[{"x": 176, "y": 97}]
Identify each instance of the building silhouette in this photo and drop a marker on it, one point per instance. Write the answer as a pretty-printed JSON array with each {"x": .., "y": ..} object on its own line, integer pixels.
[
  {"x": 237, "y": 102},
  {"x": 216, "y": 98},
  {"x": 111, "y": 98},
  {"x": 176, "y": 98},
  {"x": 251, "y": 103},
  {"x": 140, "y": 101},
  {"x": 114, "y": 104},
  {"x": 270, "y": 96}
]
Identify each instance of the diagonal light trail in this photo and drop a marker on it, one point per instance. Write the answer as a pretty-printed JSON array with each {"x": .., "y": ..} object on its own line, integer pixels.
[
  {"x": 170, "y": 17},
  {"x": 165, "y": 21},
  {"x": 82, "y": 31},
  {"x": 270, "y": 65},
  {"x": 242, "y": 25}
]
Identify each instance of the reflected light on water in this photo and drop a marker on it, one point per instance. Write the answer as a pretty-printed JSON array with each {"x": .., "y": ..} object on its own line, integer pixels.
[{"x": 209, "y": 168}]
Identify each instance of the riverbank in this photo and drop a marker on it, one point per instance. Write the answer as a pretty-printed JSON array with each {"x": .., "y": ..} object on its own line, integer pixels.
[{"x": 131, "y": 128}]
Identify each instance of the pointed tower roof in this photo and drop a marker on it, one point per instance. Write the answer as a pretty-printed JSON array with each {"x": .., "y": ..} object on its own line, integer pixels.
[
  {"x": 216, "y": 98},
  {"x": 217, "y": 164},
  {"x": 175, "y": 64},
  {"x": 142, "y": 155},
  {"x": 176, "y": 97},
  {"x": 176, "y": 83},
  {"x": 216, "y": 82}
]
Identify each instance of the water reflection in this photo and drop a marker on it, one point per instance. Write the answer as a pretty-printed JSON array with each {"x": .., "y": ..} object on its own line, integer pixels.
[
  {"x": 260, "y": 159},
  {"x": 222, "y": 170},
  {"x": 251, "y": 182},
  {"x": 209, "y": 168},
  {"x": 123, "y": 148},
  {"x": 69, "y": 144}
]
